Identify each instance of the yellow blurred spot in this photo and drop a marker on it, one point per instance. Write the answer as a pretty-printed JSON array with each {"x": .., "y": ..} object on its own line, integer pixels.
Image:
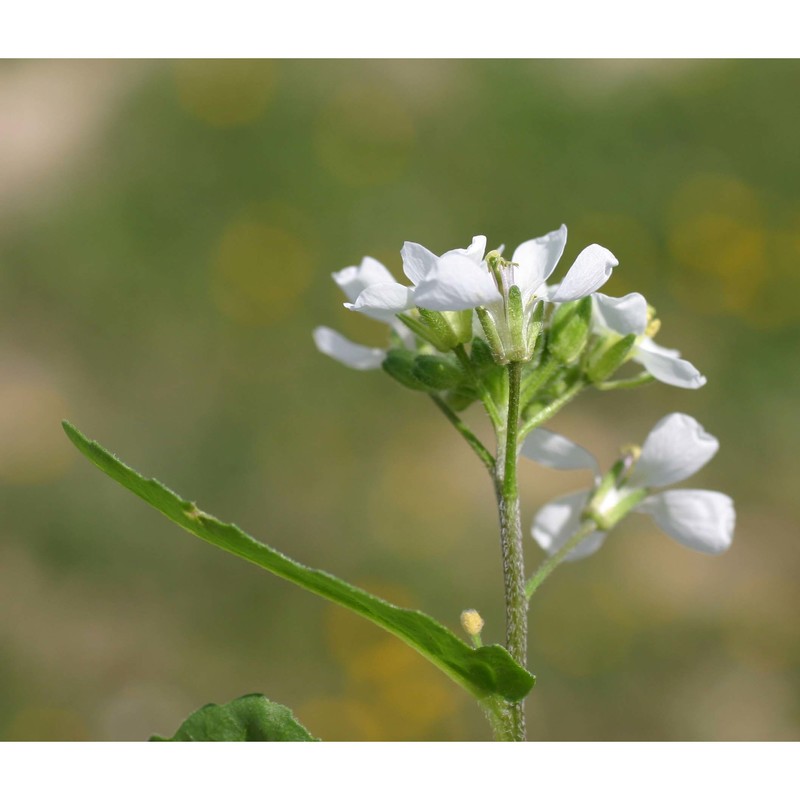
[
  {"x": 406, "y": 696},
  {"x": 225, "y": 93},
  {"x": 46, "y": 725},
  {"x": 776, "y": 304},
  {"x": 364, "y": 137},
  {"x": 348, "y": 634},
  {"x": 338, "y": 719},
  {"x": 260, "y": 272},
  {"x": 718, "y": 244},
  {"x": 33, "y": 448}
]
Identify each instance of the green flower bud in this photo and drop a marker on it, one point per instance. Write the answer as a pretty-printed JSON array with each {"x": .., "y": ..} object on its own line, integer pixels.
[
  {"x": 400, "y": 365},
  {"x": 481, "y": 355},
  {"x": 460, "y": 398},
  {"x": 438, "y": 373}
]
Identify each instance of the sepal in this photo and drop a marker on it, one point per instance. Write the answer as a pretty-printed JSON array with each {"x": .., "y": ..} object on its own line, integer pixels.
[
  {"x": 605, "y": 361},
  {"x": 569, "y": 329}
]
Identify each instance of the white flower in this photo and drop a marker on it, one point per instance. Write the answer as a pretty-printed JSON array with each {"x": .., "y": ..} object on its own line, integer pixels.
[
  {"x": 353, "y": 281},
  {"x": 383, "y": 298},
  {"x": 629, "y": 314},
  {"x": 456, "y": 283},
  {"x": 675, "y": 449}
]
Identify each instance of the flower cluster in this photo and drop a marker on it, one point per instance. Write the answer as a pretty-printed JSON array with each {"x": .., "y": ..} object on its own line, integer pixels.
[{"x": 467, "y": 314}]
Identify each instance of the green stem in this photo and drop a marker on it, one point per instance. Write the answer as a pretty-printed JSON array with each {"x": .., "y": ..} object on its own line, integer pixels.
[
  {"x": 486, "y": 397},
  {"x": 472, "y": 440},
  {"x": 547, "y": 566},
  {"x": 511, "y": 544},
  {"x": 550, "y": 411}
]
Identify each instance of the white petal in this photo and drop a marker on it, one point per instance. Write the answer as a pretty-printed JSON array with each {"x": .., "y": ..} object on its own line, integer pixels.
[
  {"x": 559, "y": 520},
  {"x": 456, "y": 283},
  {"x": 592, "y": 268},
  {"x": 537, "y": 258},
  {"x": 548, "y": 291},
  {"x": 340, "y": 348},
  {"x": 677, "y": 447},
  {"x": 622, "y": 315},
  {"x": 353, "y": 280},
  {"x": 648, "y": 344},
  {"x": 474, "y": 252},
  {"x": 418, "y": 261},
  {"x": 696, "y": 518},
  {"x": 664, "y": 365},
  {"x": 556, "y": 451},
  {"x": 382, "y": 301}
]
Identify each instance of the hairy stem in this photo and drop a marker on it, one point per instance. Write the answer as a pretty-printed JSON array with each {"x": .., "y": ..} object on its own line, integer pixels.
[{"x": 511, "y": 544}]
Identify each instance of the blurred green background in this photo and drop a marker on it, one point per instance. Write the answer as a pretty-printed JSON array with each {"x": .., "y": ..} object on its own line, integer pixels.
[{"x": 167, "y": 234}]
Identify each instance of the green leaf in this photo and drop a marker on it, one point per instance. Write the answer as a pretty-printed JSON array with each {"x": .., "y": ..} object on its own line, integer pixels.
[
  {"x": 251, "y": 718},
  {"x": 486, "y": 672}
]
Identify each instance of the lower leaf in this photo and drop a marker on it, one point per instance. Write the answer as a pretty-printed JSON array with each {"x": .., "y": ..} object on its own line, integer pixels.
[
  {"x": 251, "y": 718},
  {"x": 486, "y": 672}
]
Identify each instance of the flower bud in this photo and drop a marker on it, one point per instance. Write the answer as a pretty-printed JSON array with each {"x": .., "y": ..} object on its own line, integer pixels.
[
  {"x": 460, "y": 398},
  {"x": 481, "y": 355},
  {"x": 471, "y": 622},
  {"x": 400, "y": 365},
  {"x": 437, "y": 372}
]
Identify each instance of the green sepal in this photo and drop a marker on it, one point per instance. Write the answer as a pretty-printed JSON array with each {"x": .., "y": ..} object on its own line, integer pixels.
[
  {"x": 605, "y": 362},
  {"x": 535, "y": 325},
  {"x": 569, "y": 329},
  {"x": 606, "y": 520},
  {"x": 519, "y": 337},
  {"x": 488, "y": 673},
  {"x": 492, "y": 336},
  {"x": 424, "y": 331},
  {"x": 251, "y": 718},
  {"x": 437, "y": 372},
  {"x": 460, "y": 323},
  {"x": 400, "y": 365},
  {"x": 440, "y": 326}
]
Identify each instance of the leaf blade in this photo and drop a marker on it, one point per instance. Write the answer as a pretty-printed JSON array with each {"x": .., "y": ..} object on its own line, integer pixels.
[
  {"x": 251, "y": 718},
  {"x": 487, "y": 672}
]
